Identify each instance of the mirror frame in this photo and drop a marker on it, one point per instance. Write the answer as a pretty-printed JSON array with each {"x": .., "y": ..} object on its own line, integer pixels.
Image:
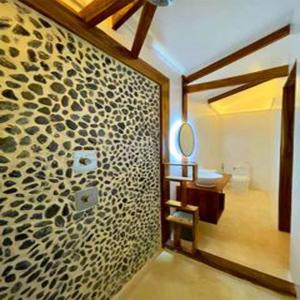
[{"x": 179, "y": 139}]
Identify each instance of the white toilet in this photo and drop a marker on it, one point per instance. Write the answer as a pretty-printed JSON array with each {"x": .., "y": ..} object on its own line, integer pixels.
[{"x": 241, "y": 177}]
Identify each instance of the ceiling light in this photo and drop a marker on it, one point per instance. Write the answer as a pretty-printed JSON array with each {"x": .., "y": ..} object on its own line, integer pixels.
[{"x": 161, "y": 2}]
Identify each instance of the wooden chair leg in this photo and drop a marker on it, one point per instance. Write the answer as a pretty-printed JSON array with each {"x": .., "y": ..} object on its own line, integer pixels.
[
  {"x": 194, "y": 232},
  {"x": 183, "y": 194},
  {"x": 177, "y": 236}
]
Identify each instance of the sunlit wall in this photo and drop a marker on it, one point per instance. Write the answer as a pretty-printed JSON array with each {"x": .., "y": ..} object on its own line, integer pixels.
[{"x": 263, "y": 97}]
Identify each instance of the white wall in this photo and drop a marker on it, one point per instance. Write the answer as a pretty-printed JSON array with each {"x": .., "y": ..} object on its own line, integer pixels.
[
  {"x": 206, "y": 127},
  {"x": 251, "y": 137},
  {"x": 232, "y": 139},
  {"x": 275, "y": 169}
]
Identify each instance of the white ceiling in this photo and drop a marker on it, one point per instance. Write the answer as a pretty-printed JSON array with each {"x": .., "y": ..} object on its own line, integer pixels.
[{"x": 197, "y": 32}]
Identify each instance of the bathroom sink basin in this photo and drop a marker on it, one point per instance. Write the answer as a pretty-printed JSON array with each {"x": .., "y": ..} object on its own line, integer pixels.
[{"x": 208, "y": 177}]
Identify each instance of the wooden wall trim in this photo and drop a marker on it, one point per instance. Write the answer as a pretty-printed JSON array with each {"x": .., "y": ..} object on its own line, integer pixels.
[
  {"x": 251, "y": 48},
  {"x": 185, "y": 117},
  {"x": 165, "y": 157},
  {"x": 252, "y": 275},
  {"x": 268, "y": 74},
  {"x": 184, "y": 102},
  {"x": 257, "y": 277}
]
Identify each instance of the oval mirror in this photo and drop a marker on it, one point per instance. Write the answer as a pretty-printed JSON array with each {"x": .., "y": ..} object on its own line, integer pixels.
[{"x": 186, "y": 139}]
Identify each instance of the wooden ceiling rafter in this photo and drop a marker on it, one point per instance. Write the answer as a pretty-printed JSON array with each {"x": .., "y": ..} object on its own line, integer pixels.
[
  {"x": 272, "y": 73},
  {"x": 120, "y": 17},
  {"x": 68, "y": 6},
  {"x": 237, "y": 55},
  {"x": 99, "y": 10},
  {"x": 145, "y": 21},
  {"x": 120, "y": 11},
  {"x": 237, "y": 90}
]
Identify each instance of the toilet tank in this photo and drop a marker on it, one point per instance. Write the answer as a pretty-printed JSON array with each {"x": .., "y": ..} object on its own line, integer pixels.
[
  {"x": 242, "y": 169},
  {"x": 241, "y": 177}
]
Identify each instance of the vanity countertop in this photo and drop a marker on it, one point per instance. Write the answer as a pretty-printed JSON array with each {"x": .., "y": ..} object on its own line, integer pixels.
[{"x": 219, "y": 187}]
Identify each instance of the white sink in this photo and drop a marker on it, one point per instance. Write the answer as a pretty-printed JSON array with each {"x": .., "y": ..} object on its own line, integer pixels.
[{"x": 208, "y": 177}]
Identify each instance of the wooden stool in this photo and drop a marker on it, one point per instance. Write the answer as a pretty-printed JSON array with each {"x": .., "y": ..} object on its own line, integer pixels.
[{"x": 185, "y": 215}]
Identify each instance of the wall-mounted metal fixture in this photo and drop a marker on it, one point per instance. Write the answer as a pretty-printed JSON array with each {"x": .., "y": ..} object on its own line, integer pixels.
[
  {"x": 161, "y": 2},
  {"x": 86, "y": 199},
  {"x": 84, "y": 161}
]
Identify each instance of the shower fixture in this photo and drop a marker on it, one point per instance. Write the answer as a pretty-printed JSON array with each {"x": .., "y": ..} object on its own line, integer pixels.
[{"x": 161, "y": 2}]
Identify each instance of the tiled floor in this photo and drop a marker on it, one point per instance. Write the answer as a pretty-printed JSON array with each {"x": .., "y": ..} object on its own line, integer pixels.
[
  {"x": 175, "y": 277},
  {"x": 247, "y": 233}
]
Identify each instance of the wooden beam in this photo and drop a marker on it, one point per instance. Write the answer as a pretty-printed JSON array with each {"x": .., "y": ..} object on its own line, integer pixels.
[
  {"x": 287, "y": 152},
  {"x": 99, "y": 10},
  {"x": 143, "y": 27},
  {"x": 124, "y": 14},
  {"x": 236, "y": 91},
  {"x": 184, "y": 103},
  {"x": 241, "y": 79},
  {"x": 165, "y": 156},
  {"x": 69, "y": 6},
  {"x": 185, "y": 116},
  {"x": 257, "y": 45}
]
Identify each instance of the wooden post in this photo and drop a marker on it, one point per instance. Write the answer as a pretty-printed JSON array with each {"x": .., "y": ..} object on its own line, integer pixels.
[
  {"x": 195, "y": 172},
  {"x": 287, "y": 152},
  {"x": 184, "y": 108},
  {"x": 195, "y": 230},
  {"x": 177, "y": 236},
  {"x": 183, "y": 196}
]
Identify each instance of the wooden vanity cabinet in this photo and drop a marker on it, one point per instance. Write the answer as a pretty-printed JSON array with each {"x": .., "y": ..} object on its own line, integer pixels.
[{"x": 211, "y": 201}]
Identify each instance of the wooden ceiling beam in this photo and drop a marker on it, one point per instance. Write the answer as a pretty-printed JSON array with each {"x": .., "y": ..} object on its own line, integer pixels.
[
  {"x": 268, "y": 74},
  {"x": 236, "y": 91},
  {"x": 251, "y": 48},
  {"x": 99, "y": 10},
  {"x": 143, "y": 28},
  {"x": 68, "y": 6},
  {"x": 120, "y": 17}
]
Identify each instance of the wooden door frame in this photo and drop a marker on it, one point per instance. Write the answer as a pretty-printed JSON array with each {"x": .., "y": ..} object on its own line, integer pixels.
[
  {"x": 70, "y": 20},
  {"x": 286, "y": 148},
  {"x": 231, "y": 267},
  {"x": 287, "y": 152}
]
